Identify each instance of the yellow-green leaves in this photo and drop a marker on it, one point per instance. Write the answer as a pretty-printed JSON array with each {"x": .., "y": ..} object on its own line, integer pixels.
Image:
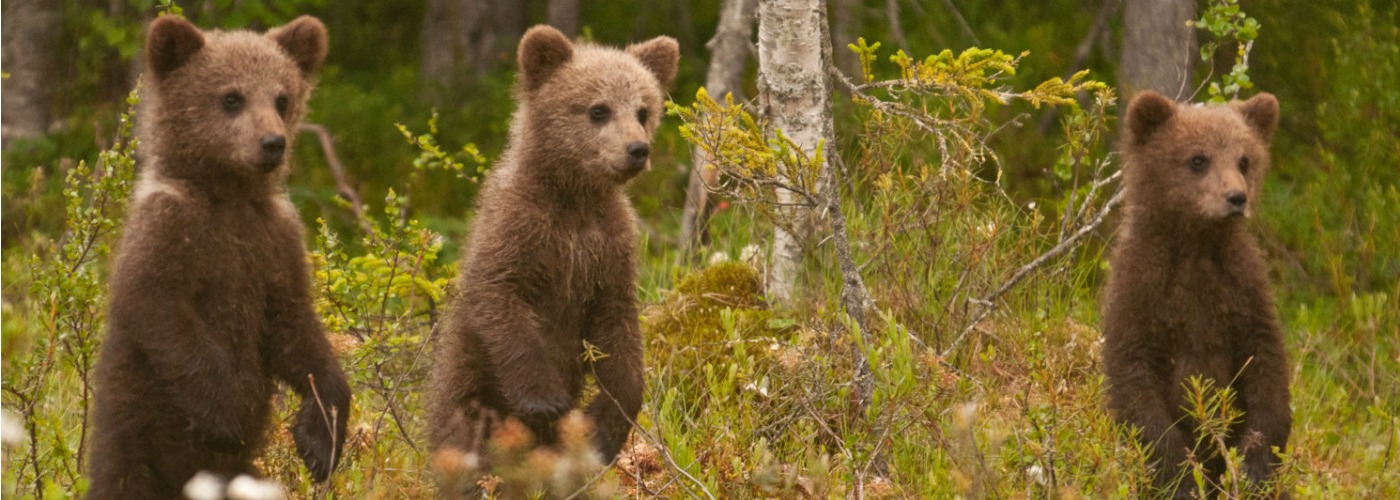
[{"x": 433, "y": 157}]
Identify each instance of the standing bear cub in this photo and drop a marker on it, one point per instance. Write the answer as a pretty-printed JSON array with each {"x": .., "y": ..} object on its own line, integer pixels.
[
  {"x": 1188, "y": 294},
  {"x": 210, "y": 291},
  {"x": 550, "y": 263}
]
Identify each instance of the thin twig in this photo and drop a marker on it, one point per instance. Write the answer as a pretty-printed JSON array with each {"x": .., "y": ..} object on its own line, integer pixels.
[
  {"x": 657, "y": 442},
  {"x": 1065, "y": 245},
  {"x": 962, "y": 23},
  {"x": 330, "y": 418},
  {"x": 344, "y": 188}
]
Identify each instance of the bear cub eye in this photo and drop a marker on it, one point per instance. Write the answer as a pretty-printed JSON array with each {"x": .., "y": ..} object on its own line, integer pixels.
[
  {"x": 599, "y": 113},
  {"x": 642, "y": 115},
  {"x": 1199, "y": 163},
  {"x": 232, "y": 102},
  {"x": 1244, "y": 165},
  {"x": 281, "y": 105}
]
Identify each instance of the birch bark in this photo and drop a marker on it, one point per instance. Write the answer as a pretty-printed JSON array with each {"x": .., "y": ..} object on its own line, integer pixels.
[
  {"x": 1159, "y": 49},
  {"x": 794, "y": 97}
]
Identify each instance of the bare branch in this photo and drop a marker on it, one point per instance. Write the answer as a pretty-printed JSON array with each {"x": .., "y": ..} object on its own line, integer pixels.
[
  {"x": 344, "y": 187},
  {"x": 988, "y": 303}
]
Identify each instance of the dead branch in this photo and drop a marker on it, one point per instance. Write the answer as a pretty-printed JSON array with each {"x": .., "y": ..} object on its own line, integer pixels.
[
  {"x": 896, "y": 31},
  {"x": 1081, "y": 55},
  {"x": 962, "y": 23},
  {"x": 988, "y": 302},
  {"x": 344, "y": 187}
]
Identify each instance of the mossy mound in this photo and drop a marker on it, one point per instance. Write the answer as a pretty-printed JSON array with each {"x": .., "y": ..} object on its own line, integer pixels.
[{"x": 694, "y": 313}]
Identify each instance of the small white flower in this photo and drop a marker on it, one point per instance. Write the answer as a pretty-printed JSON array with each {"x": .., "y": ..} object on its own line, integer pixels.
[
  {"x": 205, "y": 486},
  {"x": 248, "y": 488},
  {"x": 1031, "y": 205},
  {"x": 1037, "y": 474},
  {"x": 11, "y": 430},
  {"x": 987, "y": 230},
  {"x": 751, "y": 255},
  {"x": 718, "y": 258},
  {"x": 761, "y": 390},
  {"x": 966, "y": 415},
  {"x": 471, "y": 461}
]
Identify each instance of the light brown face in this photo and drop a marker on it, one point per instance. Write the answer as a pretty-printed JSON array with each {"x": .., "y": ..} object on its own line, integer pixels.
[
  {"x": 1200, "y": 162},
  {"x": 605, "y": 109},
  {"x": 595, "y": 107},
  {"x": 232, "y": 100}
]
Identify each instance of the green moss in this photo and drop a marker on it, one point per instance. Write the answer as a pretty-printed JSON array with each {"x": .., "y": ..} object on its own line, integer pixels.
[{"x": 735, "y": 282}]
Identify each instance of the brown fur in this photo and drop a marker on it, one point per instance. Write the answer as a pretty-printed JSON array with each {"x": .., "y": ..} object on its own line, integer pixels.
[
  {"x": 551, "y": 257},
  {"x": 1189, "y": 292},
  {"x": 210, "y": 291}
]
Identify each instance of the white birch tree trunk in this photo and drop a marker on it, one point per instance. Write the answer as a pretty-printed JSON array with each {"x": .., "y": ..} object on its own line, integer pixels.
[
  {"x": 729, "y": 55},
  {"x": 795, "y": 97}
]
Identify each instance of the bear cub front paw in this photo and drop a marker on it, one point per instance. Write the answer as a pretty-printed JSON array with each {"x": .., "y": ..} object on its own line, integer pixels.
[{"x": 317, "y": 445}]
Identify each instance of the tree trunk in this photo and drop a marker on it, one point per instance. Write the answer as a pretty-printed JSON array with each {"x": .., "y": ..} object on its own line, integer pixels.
[
  {"x": 464, "y": 40},
  {"x": 564, "y": 16},
  {"x": 1159, "y": 49},
  {"x": 448, "y": 27},
  {"x": 500, "y": 30},
  {"x": 794, "y": 82},
  {"x": 31, "y": 30},
  {"x": 855, "y": 297},
  {"x": 794, "y": 97},
  {"x": 729, "y": 56}
]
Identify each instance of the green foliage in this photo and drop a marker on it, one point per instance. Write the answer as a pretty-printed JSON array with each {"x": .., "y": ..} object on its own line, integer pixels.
[
  {"x": 934, "y": 238},
  {"x": 168, "y": 7},
  {"x": 1226, "y": 23},
  {"x": 379, "y": 303},
  {"x": 67, "y": 288},
  {"x": 432, "y": 157}
]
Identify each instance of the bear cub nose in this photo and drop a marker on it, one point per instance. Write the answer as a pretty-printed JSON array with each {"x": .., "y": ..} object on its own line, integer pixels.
[
  {"x": 273, "y": 145},
  {"x": 1236, "y": 198},
  {"x": 637, "y": 153}
]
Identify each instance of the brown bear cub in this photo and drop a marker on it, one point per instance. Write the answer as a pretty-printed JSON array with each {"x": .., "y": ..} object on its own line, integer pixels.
[
  {"x": 551, "y": 261},
  {"x": 210, "y": 290},
  {"x": 1188, "y": 293}
]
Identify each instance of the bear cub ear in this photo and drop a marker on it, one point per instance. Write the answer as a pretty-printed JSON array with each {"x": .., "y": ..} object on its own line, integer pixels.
[
  {"x": 660, "y": 55},
  {"x": 170, "y": 42},
  {"x": 1147, "y": 113},
  {"x": 305, "y": 40},
  {"x": 1261, "y": 113},
  {"x": 543, "y": 50}
]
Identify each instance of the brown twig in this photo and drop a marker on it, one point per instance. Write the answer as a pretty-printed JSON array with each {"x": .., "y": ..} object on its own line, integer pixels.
[
  {"x": 1081, "y": 55},
  {"x": 330, "y": 418},
  {"x": 988, "y": 302},
  {"x": 343, "y": 186},
  {"x": 962, "y": 23}
]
